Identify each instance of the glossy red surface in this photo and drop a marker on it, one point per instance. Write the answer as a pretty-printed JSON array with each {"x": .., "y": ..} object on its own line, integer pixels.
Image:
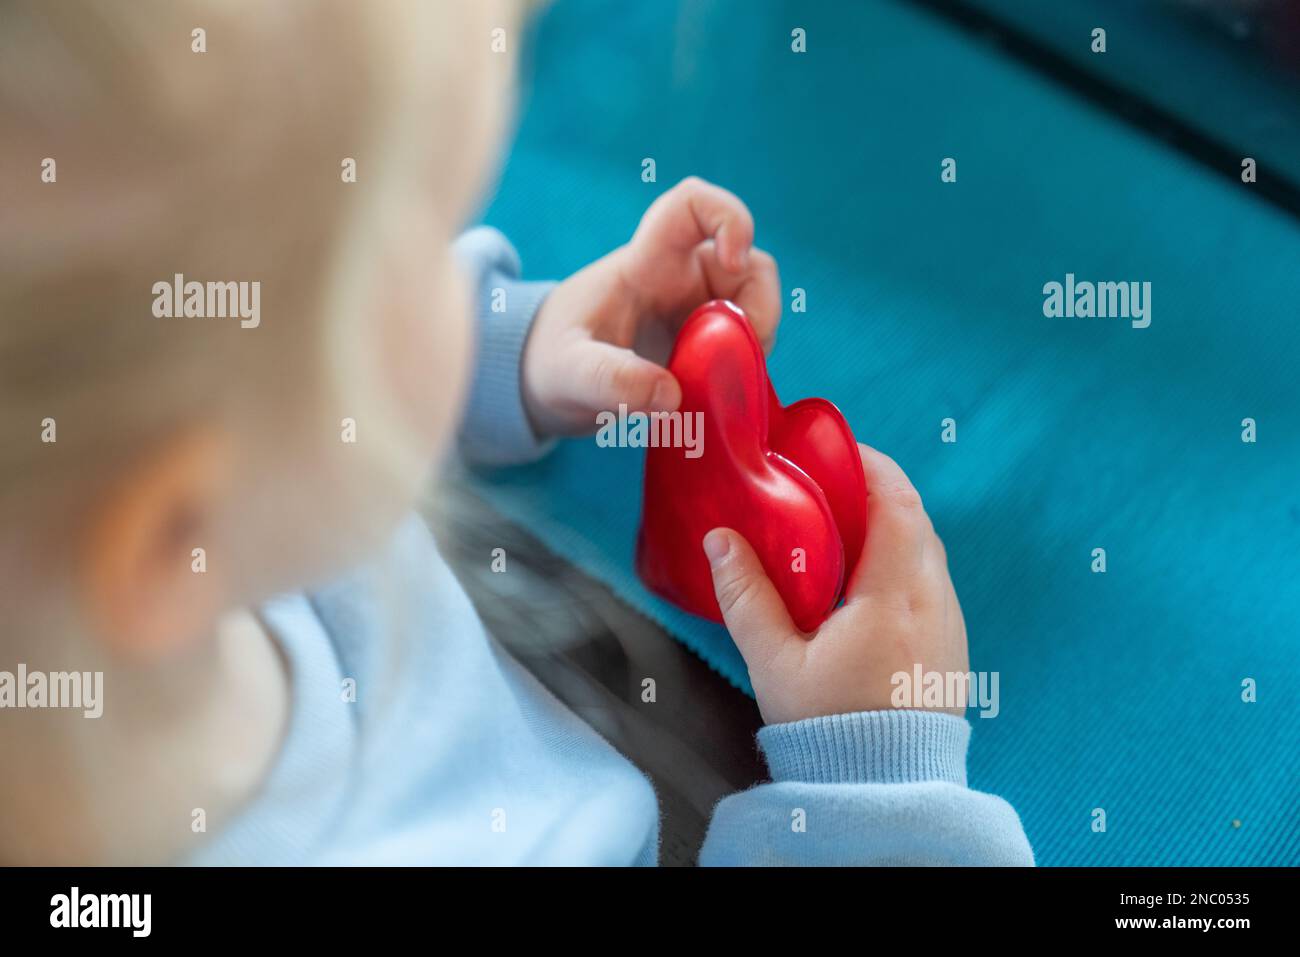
[{"x": 784, "y": 478}]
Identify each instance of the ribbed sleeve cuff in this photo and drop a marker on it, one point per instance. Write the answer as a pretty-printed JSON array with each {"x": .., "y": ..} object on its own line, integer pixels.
[
  {"x": 495, "y": 429},
  {"x": 869, "y": 747}
]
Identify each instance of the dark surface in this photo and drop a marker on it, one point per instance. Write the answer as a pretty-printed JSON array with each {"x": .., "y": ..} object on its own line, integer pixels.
[
  {"x": 1217, "y": 80},
  {"x": 695, "y": 741}
]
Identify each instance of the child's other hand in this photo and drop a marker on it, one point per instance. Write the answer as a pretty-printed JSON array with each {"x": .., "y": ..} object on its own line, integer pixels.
[
  {"x": 900, "y": 610},
  {"x": 602, "y": 336}
]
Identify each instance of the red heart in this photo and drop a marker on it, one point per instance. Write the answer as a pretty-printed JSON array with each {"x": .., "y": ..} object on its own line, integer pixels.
[{"x": 784, "y": 478}]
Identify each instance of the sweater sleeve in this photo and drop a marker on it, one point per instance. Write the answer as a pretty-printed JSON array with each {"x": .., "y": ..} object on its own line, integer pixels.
[
  {"x": 495, "y": 429},
  {"x": 870, "y": 788}
]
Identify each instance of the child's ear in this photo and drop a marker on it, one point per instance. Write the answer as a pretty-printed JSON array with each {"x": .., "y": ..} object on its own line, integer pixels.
[{"x": 146, "y": 589}]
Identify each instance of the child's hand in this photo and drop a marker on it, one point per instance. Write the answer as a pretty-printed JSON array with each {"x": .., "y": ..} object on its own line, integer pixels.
[
  {"x": 602, "y": 336},
  {"x": 900, "y": 610}
]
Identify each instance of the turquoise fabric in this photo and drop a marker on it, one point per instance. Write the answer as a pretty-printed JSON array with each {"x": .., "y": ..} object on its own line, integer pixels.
[{"x": 1120, "y": 691}]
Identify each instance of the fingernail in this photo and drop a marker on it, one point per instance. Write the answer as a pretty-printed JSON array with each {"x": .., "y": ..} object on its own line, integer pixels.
[
  {"x": 716, "y": 545},
  {"x": 661, "y": 397}
]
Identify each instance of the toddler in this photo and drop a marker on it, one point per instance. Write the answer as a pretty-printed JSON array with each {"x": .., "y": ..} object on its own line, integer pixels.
[{"x": 215, "y": 513}]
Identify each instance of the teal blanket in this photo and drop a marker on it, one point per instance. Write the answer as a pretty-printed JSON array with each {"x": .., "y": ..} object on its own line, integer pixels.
[{"x": 1120, "y": 691}]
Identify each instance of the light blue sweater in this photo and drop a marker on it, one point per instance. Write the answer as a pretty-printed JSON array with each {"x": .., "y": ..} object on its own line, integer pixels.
[{"x": 415, "y": 739}]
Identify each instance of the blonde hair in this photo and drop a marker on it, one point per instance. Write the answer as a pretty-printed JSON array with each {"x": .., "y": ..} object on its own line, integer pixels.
[{"x": 219, "y": 165}]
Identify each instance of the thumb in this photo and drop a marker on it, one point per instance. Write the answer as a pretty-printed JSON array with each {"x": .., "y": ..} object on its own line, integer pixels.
[
  {"x": 751, "y": 607},
  {"x": 607, "y": 375}
]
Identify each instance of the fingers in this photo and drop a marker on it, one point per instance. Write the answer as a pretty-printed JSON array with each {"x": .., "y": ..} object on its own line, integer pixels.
[
  {"x": 899, "y": 534},
  {"x": 751, "y": 607},
  {"x": 698, "y": 234},
  {"x": 756, "y": 290},
  {"x": 694, "y": 211},
  {"x": 603, "y": 376}
]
